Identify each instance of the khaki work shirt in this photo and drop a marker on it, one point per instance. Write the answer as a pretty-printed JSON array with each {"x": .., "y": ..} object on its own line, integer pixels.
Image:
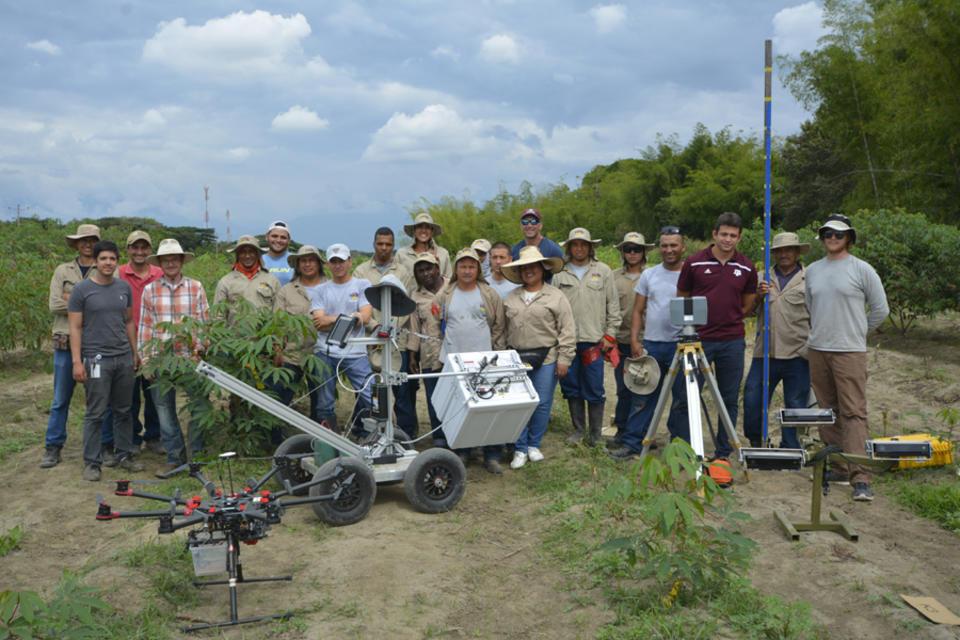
[
  {"x": 293, "y": 299},
  {"x": 594, "y": 300},
  {"x": 492, "y": 303},
  {"x": 546, "y": 322},
  {"x": 789, "y": 319},
  {"x": 369, "y": 271},
  {"x": 407, "y": 257},
  {"x": 261, "y": 291},
  {"x": 625, "y": 283},
  {"x": 65, "y": 276},
  {"x": 426, "y": 320}
]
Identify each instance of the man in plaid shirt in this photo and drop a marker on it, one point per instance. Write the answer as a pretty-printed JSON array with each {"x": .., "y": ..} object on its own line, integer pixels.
[{"x": 171, "y": 299}]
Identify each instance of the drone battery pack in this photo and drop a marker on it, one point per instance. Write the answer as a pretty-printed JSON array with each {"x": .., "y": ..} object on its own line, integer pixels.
[
  {"x": 209, "y": 559},
  {"x": 491, "y": 408},
  {"x": 763, "y": 459}
]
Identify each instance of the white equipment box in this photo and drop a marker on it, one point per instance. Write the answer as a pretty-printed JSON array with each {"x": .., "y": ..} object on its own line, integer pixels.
[{"x": 490, "y": 407}]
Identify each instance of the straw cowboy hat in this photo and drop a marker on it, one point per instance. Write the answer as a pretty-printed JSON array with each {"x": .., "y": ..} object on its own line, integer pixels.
[
  {"x": 641, "y": 375},
  {"x": 529, "y": 255},
  {"x": 83, "y": 231},
  {"x": 578, "y": 233},
  {"x": 304, "y": 250},
  {"x": 788, "y": 239},
  {"x": 423, "y": 218},
  {"x": 635, "y": 238},
  {"x": 169, "y": 247},
  {"x": 839, "y": 222}
]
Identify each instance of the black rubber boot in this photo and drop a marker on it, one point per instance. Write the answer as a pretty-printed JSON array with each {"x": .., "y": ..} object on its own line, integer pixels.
[
  {"x": 578, "y": 418},
  {"x": 595, "y": 420}
]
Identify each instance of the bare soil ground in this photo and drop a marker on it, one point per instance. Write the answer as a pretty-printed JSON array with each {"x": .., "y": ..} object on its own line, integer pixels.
[{"x": 481, "y": 571}]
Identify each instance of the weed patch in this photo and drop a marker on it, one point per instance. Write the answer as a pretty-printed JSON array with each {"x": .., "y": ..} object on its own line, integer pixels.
[
  {"x": 931, "y": 493},
  {"x": 10, "y": 540}
]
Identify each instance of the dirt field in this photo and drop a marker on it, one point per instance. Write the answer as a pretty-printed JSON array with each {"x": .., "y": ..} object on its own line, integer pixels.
[{"x": 481, "y": 571}]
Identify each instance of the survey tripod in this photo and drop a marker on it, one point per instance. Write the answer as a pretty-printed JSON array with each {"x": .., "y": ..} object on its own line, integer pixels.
[{"x": 690, "y": 358}]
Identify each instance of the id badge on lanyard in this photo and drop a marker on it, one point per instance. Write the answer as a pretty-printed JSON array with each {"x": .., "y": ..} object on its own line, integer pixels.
[{"x": 95, "y": 367}]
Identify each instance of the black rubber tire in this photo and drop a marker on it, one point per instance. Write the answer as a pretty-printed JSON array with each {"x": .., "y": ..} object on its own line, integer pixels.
[
  {"x": 435, "y": 481},
  {"x": 355, "y": 502},
  {"x": 300, "y": 443}
]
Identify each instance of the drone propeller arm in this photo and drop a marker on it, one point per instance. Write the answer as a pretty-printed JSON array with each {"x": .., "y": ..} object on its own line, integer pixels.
[
  {"x": 189, "y": 521},
  {"x": 151, "y": 496},
  {"x": 104, "y": 513},
  {"x": 299, "y": 501}
]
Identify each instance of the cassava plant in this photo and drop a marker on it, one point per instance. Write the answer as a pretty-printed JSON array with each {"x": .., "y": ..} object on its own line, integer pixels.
[{"x": 247, "y": 347}]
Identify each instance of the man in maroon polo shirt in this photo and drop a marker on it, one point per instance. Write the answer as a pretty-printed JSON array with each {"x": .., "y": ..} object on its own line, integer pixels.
[{"x": 728, "y": 280}]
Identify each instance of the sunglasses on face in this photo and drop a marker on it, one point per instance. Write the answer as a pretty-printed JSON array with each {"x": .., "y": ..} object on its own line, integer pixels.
[
  {"x": 632, "y": 248},
  {"x": 529, "y": 221},
  {"x": 839, "y": 235},
  {"x": 670, "y": 231}
]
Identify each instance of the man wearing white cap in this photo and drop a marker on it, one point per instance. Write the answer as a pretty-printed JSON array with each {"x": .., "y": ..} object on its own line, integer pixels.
[
  {"x": 846, "y": 300},
  {"x": 172, "y": 298},
  {"x": 138, "y": 273},
  {"x": 275, "y": 260},
  {"x": 248, "y": 280},
  {"x": 65, "y": 278},
  {"x": 789, "y": 328},
  {"x": 342, "y": 294}
]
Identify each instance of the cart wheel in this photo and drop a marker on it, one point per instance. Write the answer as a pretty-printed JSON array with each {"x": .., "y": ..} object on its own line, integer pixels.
[
  {"x": 435, "y": 481},
  {"x": 355, "y": 500},
  {"x": 300, "y": 443}
]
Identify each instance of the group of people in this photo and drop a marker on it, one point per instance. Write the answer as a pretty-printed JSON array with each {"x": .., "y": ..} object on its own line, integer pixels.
[{"x": 562, "y": 310}]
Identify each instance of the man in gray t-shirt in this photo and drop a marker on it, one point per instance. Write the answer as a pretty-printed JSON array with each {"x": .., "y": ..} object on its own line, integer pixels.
[
  {"x": 102, "y": 339},
  {"x": 655, "y": 288},
  {"x": 846, "y": 300}
]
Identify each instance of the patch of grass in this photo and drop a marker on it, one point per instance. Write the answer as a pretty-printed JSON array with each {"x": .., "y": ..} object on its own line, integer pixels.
[
  {"x": 10, "y": 541},
  {"x": 169, "y": 569},
  {"x": 931, "y": 493},
  {"x": 13, "y": 442}
]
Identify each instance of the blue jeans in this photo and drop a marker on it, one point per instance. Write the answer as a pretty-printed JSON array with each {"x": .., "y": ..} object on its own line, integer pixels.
[
  {"x": 727, "y": 359},
  {"x": 641, "y": 410},
  {"x": 584, "y": 382},
  {"x": 544, "y": 381},
  {"x": 63, "y": 385},
  {"x": 171, "y": 435},
  {"x": 149, "y": 429},
  {"x": 429, "y": 384},
  {"x": 624, "y": 397},
  {"x": 357, "y": 371},
  {"x": 795, "y": 374},
  {"x": 405, "y": 400}
]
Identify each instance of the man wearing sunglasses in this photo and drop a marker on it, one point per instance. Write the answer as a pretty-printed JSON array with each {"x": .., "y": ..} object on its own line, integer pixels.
[
  {"x": 846, "y": 300},
  {"x": 531, "y": 224}
]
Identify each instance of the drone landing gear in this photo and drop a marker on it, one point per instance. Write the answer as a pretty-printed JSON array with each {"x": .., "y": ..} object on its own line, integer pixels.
[{"x": 235, "y": 577}]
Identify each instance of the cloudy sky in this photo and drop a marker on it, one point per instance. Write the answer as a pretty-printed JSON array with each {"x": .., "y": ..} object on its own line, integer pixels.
[{"x": 337, "y": 116}]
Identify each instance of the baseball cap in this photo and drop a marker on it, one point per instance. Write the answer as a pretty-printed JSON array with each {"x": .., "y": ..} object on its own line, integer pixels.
[
  {"x": 531, "y": 213},
  {"x": 279, "y": 224},
  {"x": 338, "y": 250},
  {"x": 139, "y": 235}
]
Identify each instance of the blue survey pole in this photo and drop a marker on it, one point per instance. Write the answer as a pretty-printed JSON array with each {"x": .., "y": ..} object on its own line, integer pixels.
[{"x": 767, "y": 107}]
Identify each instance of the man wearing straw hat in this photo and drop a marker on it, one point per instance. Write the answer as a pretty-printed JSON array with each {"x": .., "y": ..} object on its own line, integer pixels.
[
  {"x": 633, "y": 253},
  {"x": 424, "y": 232},
  {"x": 172, "y": 298},
  {"x": 248, "y": 280},
  {"x": 589, "y": 287},
  {"x": 423, "y": 346},
  {"x": 840, "y": 290},
  {"x": 383, "y": 263},
  {"x": 296, "y": 298},
  {"x": 139, "y": 273},
  {"x": 789, "y": 328},
  {"x": 65, "y": 278}
]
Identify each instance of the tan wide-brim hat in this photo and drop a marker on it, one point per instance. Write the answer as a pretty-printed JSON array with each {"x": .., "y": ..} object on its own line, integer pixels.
[
  {"x": 633, "y": 237},
  {"x": 529, "y": 255},
  {"x": 788, "y": 239},
  {"x": 641, "y": 375},
  {"x": 169, "y": 247},
  {"x": 83, "y": 231},
  {"x": 246, "y": 241},
  {"x": 305, "y": 250},
  {"x": 423, "y": 218},
  {"x": 579, "y": 233}
]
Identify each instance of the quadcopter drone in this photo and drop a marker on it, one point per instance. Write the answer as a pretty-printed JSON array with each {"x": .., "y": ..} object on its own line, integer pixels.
[{"x": 225, "y": 519}]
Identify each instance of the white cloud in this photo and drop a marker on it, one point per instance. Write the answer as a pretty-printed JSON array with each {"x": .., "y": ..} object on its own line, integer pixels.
[
  {"x": 797, "y": 29},
  {"x": 353, "y": 17},
  {"x": 437, "y": 131},
  {"x": 19, "y": 124},
  {"x": 444, "y": 51},
  {"x": 500, "y": 48},
  {"x": 608, "y": 17},
  {"x": 298, "y": 118},
  {"x": 563, "y": 78},
  {"x": 241, "y": 43},
  {"x": 237, "y": 154},
  {"x": 44, "y": 46}
]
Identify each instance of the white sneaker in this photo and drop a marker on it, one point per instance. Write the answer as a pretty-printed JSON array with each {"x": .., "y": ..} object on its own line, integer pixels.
[
  {"x": 519, "y": 459},
  {"x": 534, "y": 454}
]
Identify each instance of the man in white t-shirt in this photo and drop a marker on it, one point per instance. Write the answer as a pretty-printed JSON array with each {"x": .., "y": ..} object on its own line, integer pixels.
[
  {"x": 275, "y": 259},
  {"x": 651, "y": 319},
  {"x": 341, "y": 294},
  {"x": 500, "y": 255}
]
